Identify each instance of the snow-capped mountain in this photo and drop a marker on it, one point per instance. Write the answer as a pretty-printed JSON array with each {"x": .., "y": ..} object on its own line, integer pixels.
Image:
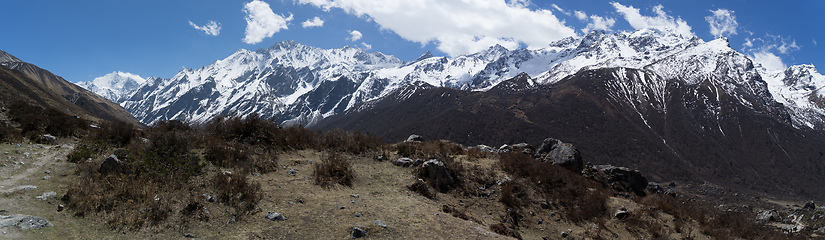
[
  {"x": 298, "y": 84},
  {"x": 113, "y": 85}
]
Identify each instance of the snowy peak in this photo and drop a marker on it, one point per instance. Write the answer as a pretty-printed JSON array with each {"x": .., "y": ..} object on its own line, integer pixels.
[
  {"x": 6, "y": 57},
  {"x": 113, "y": 85}
]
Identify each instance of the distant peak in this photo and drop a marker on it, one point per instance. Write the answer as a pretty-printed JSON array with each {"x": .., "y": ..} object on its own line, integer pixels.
[
  {"x": 286, "y": 44},
  {"x": 6, "y": 57}
]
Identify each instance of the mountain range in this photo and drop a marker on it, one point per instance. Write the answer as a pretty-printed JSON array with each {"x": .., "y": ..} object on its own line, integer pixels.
[
  {"x": 676, "y": 107},
  {"x": 298, "y": 84}
]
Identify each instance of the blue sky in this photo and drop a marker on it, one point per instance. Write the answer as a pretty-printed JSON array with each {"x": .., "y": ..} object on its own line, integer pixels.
[{"x": 81, "y": 40}]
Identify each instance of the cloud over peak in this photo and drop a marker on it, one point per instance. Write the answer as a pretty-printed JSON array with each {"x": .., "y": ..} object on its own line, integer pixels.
[
  {"x": 459, "y": 27},
  {"x": 261, "y": 22},
  {"x": 722, "y": 22},
  {"x": 661, "y": 21}
]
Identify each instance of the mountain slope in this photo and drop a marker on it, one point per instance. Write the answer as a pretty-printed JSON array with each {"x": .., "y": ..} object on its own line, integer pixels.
[
  {"x": 29, "y": 82},
  {"x": 741, "y": 148}
]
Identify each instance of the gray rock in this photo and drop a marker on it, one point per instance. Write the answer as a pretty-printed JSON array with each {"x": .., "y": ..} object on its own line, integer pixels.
[
  {"x": 357, "y": 232},
  {"x": 821, "y": 230},
  {"x": 32, "y": 222},
  {"x": 809, "y": 205},
  {"x": 274, "y": 216},
  {"x": 46, "y": 195},
  {"x": 563, "y": 154},
  {"x": 564, "y": 234},
  {"x": 188, "y": 235},
  {"x": 358, "y": 215},
  {"x": 623, "y": 179},
  {"x": 47, "y": 177},
  {"x": 111, "y": 165},
  {"x": 8, "y": 221},
  {"x": 292, "y": 172},
  {"x": 47, "y": 138},
  {"x": 60, "y": 207},
  {"x": 621, "y": 214},
  {"x": 380, "y": 223},
  {"x": 767, "y": 216},
  {"x": 414, "y": 138},
  {"x": 438, "y": 175},
  {"x": 355, "y": 196},
  {"x": 403, "y": 162}
]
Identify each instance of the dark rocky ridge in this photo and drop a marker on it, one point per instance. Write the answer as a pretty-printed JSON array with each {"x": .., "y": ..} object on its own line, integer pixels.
[{"x": 744, "y": 148}]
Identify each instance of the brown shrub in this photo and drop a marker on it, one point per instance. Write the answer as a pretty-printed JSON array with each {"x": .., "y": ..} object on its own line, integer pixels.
[
  {"x": 334, "y": 169},
  {"x": 475, "y": 153},
  {"x": 118, "y": 134},
  {"x": 514, "y": 194},
  {"x": 351, "y": 142},
  {"x": 457, "y": 212},
  {"x": 9, "y": 134},
  {"x": 502, "y": 229},
  {"x": 581, "y": 198},
  {"x": 236, "y": 191}
]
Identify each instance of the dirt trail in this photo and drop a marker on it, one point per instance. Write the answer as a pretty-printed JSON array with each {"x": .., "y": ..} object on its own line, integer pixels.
[{"x": 38, "y": 157}]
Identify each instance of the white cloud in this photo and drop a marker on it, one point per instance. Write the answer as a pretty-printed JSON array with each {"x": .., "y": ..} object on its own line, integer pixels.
[
  {"x": 661, "y": 21},
  {"x": 366, "y": 46},
  {"x": 261, "y": 22},
  {"x": 722, "y": 22},
  {"x": 211, "y": 28},
  {"x": 768, "y": 60},
  {"x": 748, "y": 43},
  {"x": 561, "y": 10},
  {"x": 581, "y": 15},
  {"x": 459, "y": 27},
  {"x": 355, "y": 35},
  {"x": 314, "y": 22},
  {"x": 814, "y": 41},
  {"x": 595, "y": 22}
]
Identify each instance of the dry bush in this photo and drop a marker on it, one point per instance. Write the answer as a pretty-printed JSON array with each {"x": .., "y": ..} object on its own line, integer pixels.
[
  {"x": 236, "y": 191},
  {"x": 252, "y": 129},
  {"x": 334, "y": 169},
  {"x": 299, "y": 138},
  {"x": 643, "y": 222},
  {"x": 351, "y": 142},
  {"x": 9, "y": 134},
  {"x": 502, "y": 229},
  {"x": 85, "y": 150},
  {"x": 457, "y": 212},
  {"x": 514, "y": 194},
  {"x": 118, "y": 134},
  {"x": 581, "y": 198},
  {"x": 408, "y": 149},
  {"x": 435, "y": 148},
  {"x": 225, "y": 154},
  {"x": 34, "y": 120},
  {"x": 478, "y": 180},
  {"x": 475, "y": 153}
]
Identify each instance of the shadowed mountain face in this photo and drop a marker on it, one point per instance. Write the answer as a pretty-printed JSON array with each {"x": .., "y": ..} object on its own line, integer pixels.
[
  {"x": 673, "y": 130},
  {"x": 27, "y": 82}
]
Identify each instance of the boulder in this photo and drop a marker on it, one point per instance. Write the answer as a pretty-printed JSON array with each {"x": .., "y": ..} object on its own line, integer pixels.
[
  {"x": 623, "y": 179},
  {"x": 403, "y": 162},
  {"x": 46, "y": 138},
  {"x": 563, "y": 154},
  {"x": 437, "y": 175},
  {"x": 274, "y": 216},
  {"x": 357, "y": 232},
  {"x": 46, "y": 195},
  {"x": 621, "y": 214},
  {"x": 809, "y": 205},
  {"x": 111, "y": 165},
  {"x": 767, "y": 216},
  {"x": 380, "y": 223},
  {"x": 32, "y": 222},
  {"x": 414, "y": 138}
]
